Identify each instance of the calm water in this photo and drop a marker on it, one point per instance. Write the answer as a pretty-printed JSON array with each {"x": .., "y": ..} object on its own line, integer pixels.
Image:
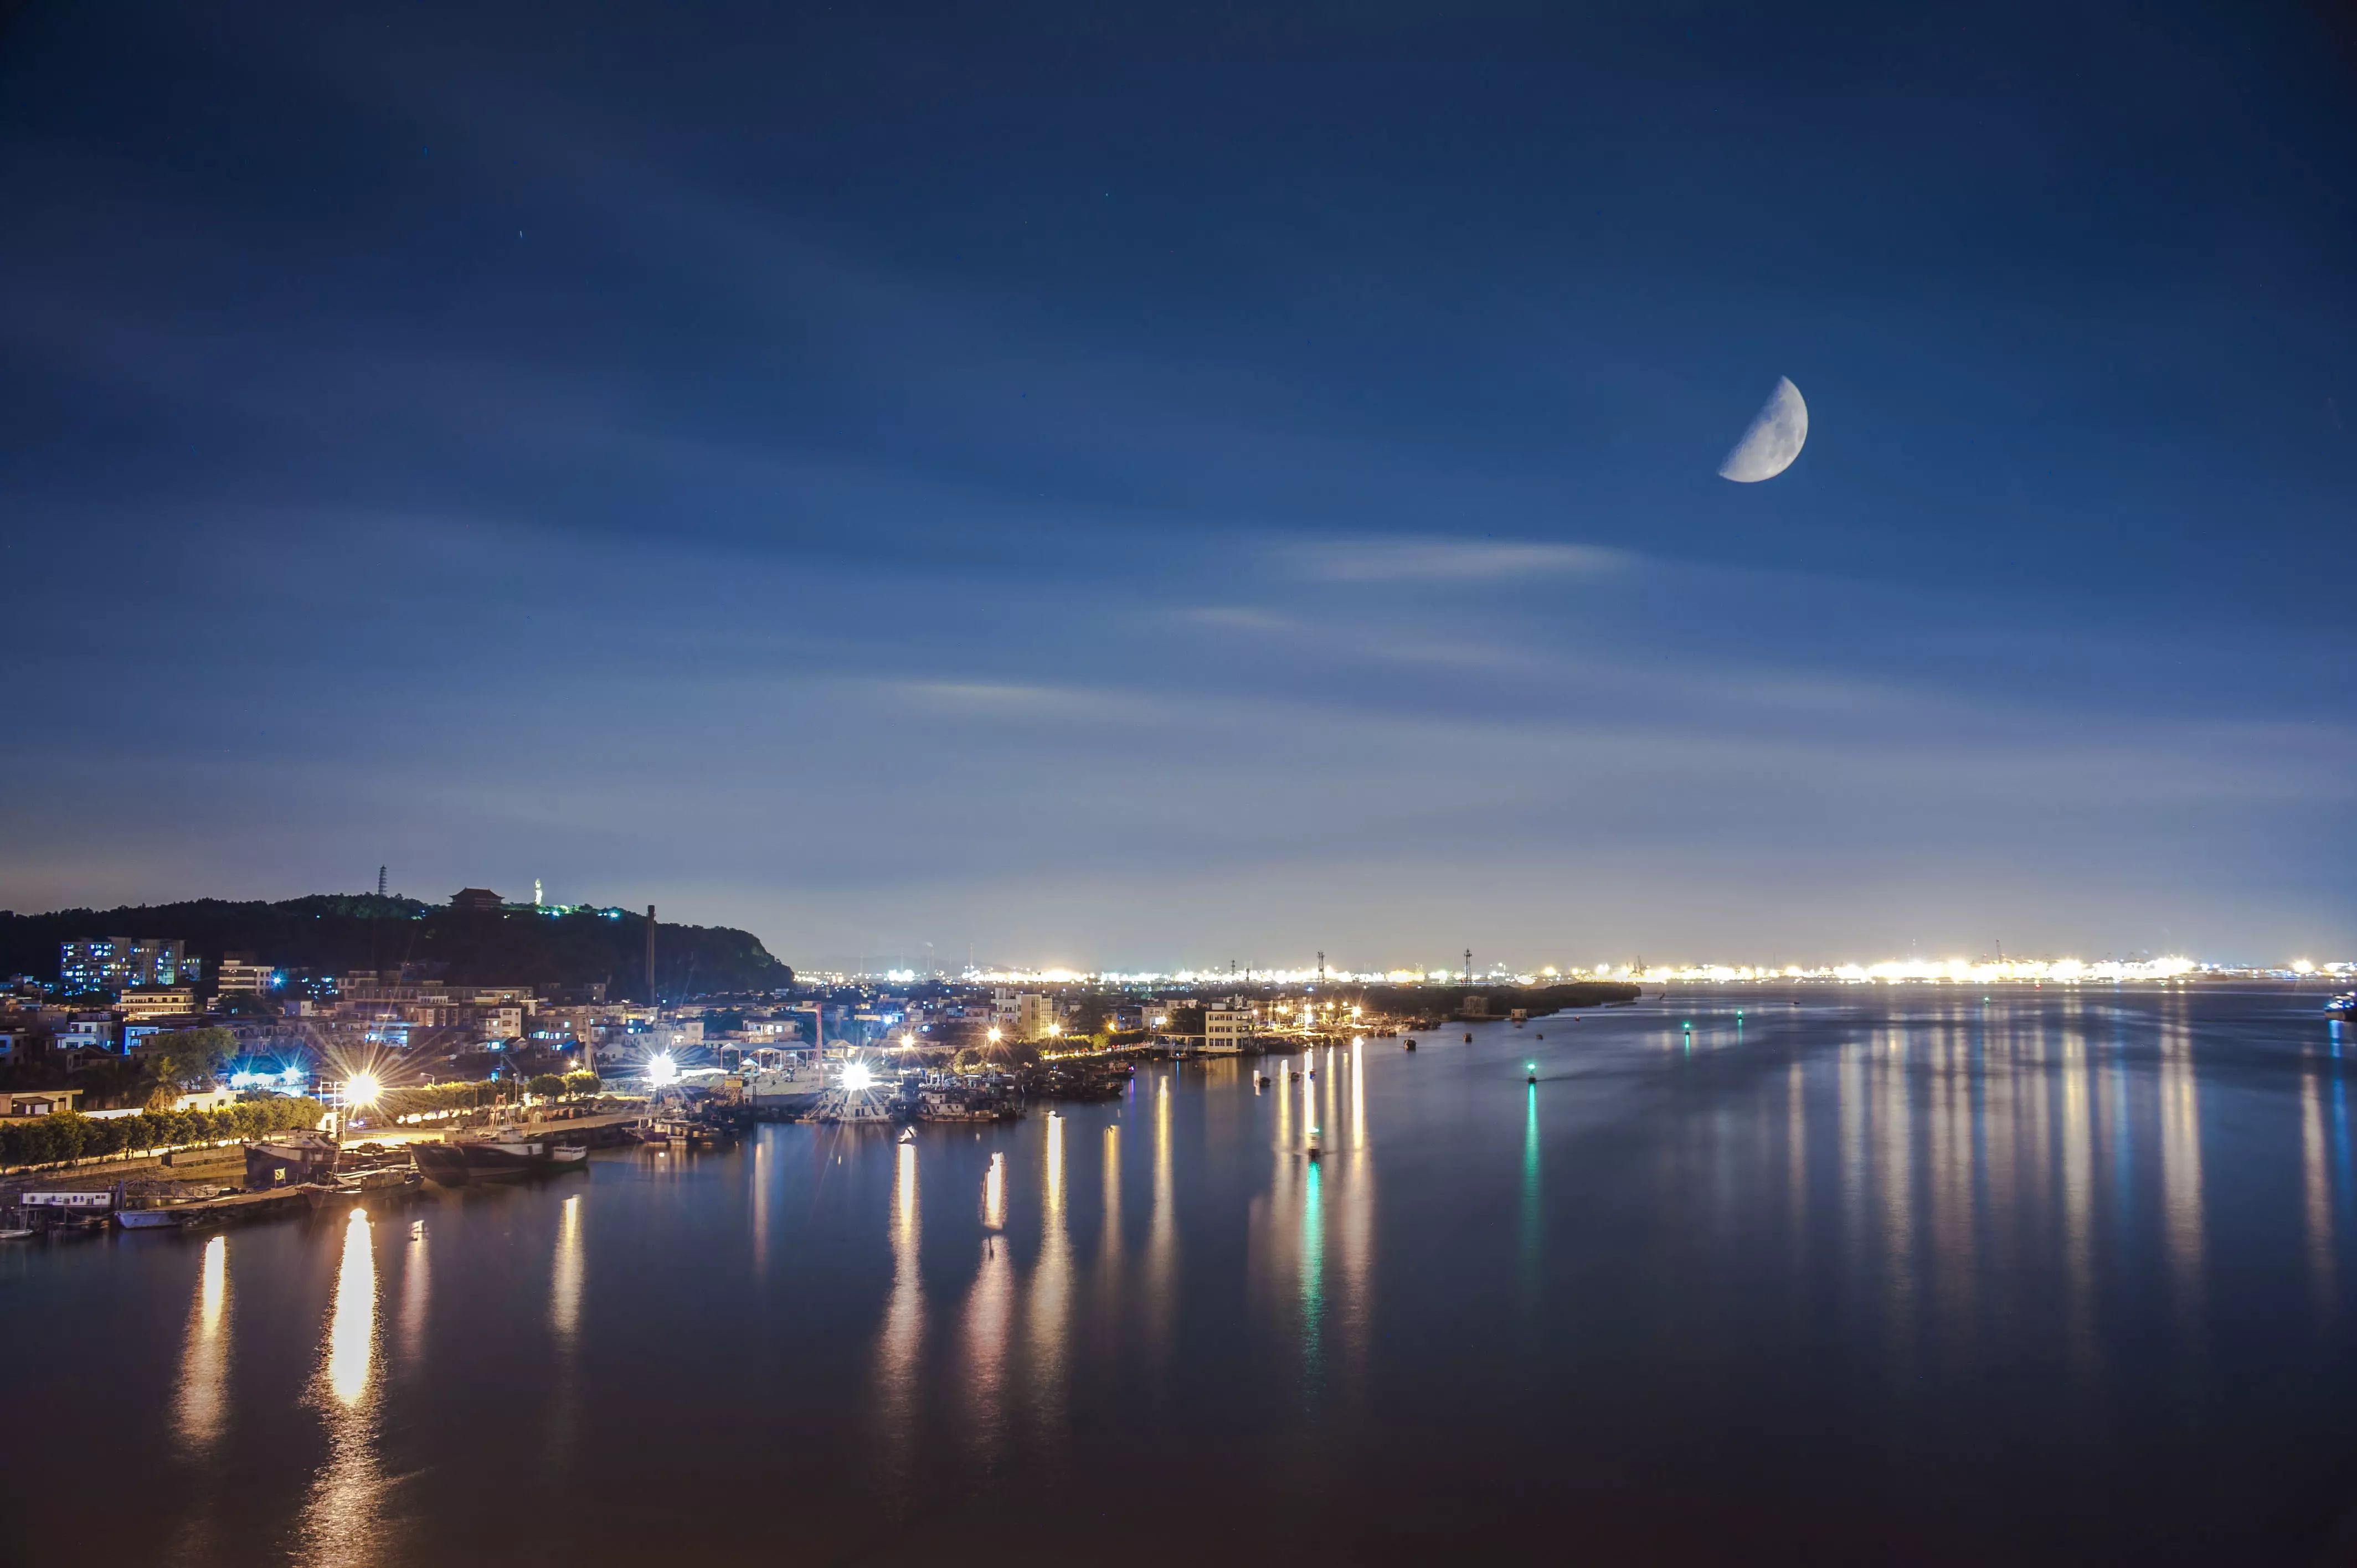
[{"x": 2049, "y": 1276}]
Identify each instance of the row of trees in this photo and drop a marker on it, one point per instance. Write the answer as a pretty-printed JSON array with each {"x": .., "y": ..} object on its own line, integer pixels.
[
  {"x": 69, "y": 1135},
  {"x": 431, "y": 1097},
  {"x": 473, "y": 1096}
]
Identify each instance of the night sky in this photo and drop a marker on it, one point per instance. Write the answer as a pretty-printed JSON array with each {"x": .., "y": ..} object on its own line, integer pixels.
[{"x": 1146, "y": 487}]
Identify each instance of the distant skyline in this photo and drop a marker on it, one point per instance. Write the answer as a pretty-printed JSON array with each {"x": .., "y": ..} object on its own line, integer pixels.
[{"x": 1112, "y": 491}]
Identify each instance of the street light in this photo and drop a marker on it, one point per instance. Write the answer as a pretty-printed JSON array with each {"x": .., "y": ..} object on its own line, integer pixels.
[{"x": 362, "y": 1090}]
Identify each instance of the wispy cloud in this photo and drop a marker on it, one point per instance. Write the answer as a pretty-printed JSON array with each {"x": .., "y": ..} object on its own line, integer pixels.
[{"x": 1447, "y": 560}]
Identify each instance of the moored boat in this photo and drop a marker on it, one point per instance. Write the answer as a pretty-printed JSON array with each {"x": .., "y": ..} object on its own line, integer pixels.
[
  {"x": 383, "y": 1187},
  {"x": 494, "y": 1153}
]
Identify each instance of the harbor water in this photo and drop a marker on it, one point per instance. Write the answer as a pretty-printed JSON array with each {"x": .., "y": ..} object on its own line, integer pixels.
[{"x": 1841, "y": 1273}]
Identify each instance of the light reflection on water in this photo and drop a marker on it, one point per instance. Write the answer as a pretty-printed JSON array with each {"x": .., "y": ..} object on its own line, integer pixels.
[
  {"x": 564, "y": 1328},
  {"x": 1051, "y": 1287},
  {"x": 2316, "y": 1185},
  {"x": 1532, "y": 1243},
  {"x": 204, "y": 1363},
  {"x": 1110, "y": 1259},
  {"x": 1162, "y": 1234},
  {"x": 900, "y": 1337},
  {"x": 564, "y": 1282},
  {"x": 342, "y": 1517},
  {"x": 416, "y": 1286},
  {"x": 351, "y": 1328}
]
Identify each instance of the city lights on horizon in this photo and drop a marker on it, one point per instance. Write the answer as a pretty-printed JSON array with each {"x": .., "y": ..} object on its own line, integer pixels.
[{"x": 1955, "y": 970}]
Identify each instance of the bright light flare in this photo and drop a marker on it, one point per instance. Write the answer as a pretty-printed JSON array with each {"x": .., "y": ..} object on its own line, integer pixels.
[
  {"x": 662, "y": 1071},
  {"x": 858, "y": 1077},
  {"x": 363, "y": 1089}
]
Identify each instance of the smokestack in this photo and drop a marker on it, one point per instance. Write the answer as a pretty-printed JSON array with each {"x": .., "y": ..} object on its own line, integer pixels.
[{"x": 650, "y": 955}]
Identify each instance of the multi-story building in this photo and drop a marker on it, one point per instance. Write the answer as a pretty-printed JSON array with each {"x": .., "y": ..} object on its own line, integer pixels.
[
  {"x": 1036, "y": 1016},
  {"x": 142, "y": 1002},
  {"x": 112, "y": 963},
  {"x": 90, "y": 1032},
  {"x": 136, "y": 1035},
  {"x": 1227, "y": 1028},
  {"x": 239, "y": 975}
]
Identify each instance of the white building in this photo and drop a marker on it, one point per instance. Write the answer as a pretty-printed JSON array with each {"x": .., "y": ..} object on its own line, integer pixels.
[
  {"x": 240, "y": 976},
  {"x": 1035, "y": 1016},
  {"x": 1227, "y": 1028},
  {"x": 90, "y": 1032},
  {"x": 158, "y": 1002}
]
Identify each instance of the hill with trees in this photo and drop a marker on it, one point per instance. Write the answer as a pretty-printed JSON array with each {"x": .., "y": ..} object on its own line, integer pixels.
[{"x": 335, "y": 934}]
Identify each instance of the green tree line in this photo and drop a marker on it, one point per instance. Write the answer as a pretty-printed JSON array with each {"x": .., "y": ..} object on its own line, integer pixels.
[
  {"x": 69, "y": 1135},
  {"x": 431, "y": 1097}
]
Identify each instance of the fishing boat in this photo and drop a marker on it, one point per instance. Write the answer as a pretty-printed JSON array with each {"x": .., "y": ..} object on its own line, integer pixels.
[
  {"x": 682, "y": 1133},
  {"x": 384, "y": 1186},
  {"x": 495, "y": 1153},
  {"x": 2344, "y": 1002}
]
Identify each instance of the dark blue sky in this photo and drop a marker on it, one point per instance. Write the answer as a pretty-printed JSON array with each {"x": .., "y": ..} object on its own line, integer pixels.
[{"x": 1094, "y": 487}]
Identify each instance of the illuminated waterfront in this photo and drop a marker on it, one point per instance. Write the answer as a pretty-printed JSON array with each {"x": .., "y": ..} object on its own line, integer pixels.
[{"x": 2050, "y": 1274}]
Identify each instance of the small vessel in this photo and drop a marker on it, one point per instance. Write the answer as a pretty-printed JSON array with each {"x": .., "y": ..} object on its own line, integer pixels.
[
  {"x": 1409, "y": 1045},
  {"x": 2344, "y": 1002},
  {"x": 381, "y": 1187},
  {"x": 494, "y": 1153}
]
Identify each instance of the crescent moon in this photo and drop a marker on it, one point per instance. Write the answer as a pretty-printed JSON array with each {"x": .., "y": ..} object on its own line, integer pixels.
[{"x": 1774, "y": 439}]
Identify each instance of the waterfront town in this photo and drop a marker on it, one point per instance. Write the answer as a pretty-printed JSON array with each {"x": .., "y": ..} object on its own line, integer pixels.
[
  {"x": 255, "y": 1082},
  {"x": 155, "y": 1083}
]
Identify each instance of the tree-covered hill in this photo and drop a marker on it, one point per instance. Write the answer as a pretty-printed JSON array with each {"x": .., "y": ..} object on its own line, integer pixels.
[{"x": 338, "y": 932}]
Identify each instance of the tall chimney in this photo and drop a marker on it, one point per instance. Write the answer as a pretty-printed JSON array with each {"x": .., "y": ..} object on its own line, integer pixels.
[{"x": 651, "y": 998}]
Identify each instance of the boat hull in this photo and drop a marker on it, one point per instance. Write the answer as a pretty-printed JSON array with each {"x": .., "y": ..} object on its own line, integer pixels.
[{"x": 465, "y": 1165}]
